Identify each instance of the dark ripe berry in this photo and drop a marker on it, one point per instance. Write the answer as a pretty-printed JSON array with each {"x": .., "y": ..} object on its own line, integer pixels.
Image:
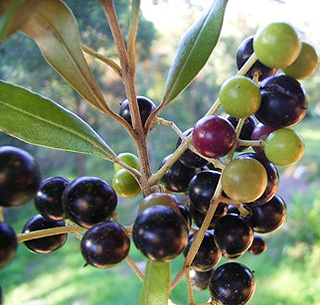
[
  {"x": 88, "y": 201},
  {"x": 211, "y": 166},
  {"x": 246, "y": 131},
  {"x": 178, "y": 176},
  {"x": 261, "y": 132},
  {"x": 189, "y": 158},
  {"x": 198, "y": 217},
  {"x": 160, "y": 233},
  {"x": 258, "y": 245},
  {"x": 272, "y": 175},
  {"x": 208, "y": 254},
  {"x": 244, "y": 51},
  {"x": 232, "y": 284},
  {"x": 201, "y": 189},
  {"x": 214, "y": 136},
  {"x": 233, "y": 235},
  {"x": 284, "y": 102},
  {"x": 200, "y": 280},
  {"x": 48, "y": 244},
  {"x": 268, "y": 217},
  {"x": 8, "y": 244},
  {"x": 105, "y": 245},
  {"x": 159, "y": 199},
  {"x": 48, "y": 200},
  {"x": 233, "y": 210},
  {"x": 185, "y": 212},
  {"x": 146, "y": 106},
  {"x": 20, "y": 176}
]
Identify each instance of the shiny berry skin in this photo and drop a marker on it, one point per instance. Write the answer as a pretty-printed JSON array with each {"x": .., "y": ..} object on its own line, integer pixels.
[
  {"x": 284, "y": 147},
  {"x": 201, "y": 189},
  {"x": 258, "y": 245},
  {"x": 125, "y": 185},
  {"x": 305, "y": 65},
  {"x": 200, "y": 280},
  {"x": 244, "y": 180},
  {"x": 8, "y": 244},
  {"x": 214, "y": 136},
  {"x": 272, "y": 176},
  {"x": 146, "y": 106},
  {"x": 48, "y": 244},
  {"x": 105, "y": 244},
  {"x": 88, "y": 201},
  {"x": 240, "y": 97},
  {"x": 244, "y": 51},
  {"x": 160, "y": 233},
  {"x": 261, "y": 132},
  {"x": 159, "y": 199},
  {"x": 277, "y": 45},
  {"x": 284, "y": 102},
  {"x": 185, "y": 212},
  {"x": 246, "y": 131},
  {"x": 178, "y": 176},
  {"x": 198, "y": 217},
  {"x": 20, "y": 176},
  {"x": 268, "y": 217},
  {"x": 129, "y": 159},
  {"x": 48, "y": 200},
  {"x": 233, "y": 235},
  {"x": 232, "y": 284},
  {"x": 189, "y": 158},
  {"x": 208, "y": 255}
]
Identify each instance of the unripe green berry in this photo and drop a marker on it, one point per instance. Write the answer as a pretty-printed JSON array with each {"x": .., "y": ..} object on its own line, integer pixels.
[
  {"x": 129, "y": 159},
  {"x": 125, "y": 185}
]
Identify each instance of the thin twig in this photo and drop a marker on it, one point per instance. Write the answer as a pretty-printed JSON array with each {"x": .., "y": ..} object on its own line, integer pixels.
[
  {"x": 244, "y": 212},
  {"x": 190, "y": 290},
  {"x": 134, "y": 267}
]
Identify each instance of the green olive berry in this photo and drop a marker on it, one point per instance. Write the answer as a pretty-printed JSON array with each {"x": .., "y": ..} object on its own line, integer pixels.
[
  {"x": 240, "y": 97},
  {"x": 277, "y": 45},
  {"x": 305, "y": 65},
  {"x": 159, "y": 199},
  {"x": 284, "y": 147},
  {"x": 125, "y": 185},
  {"x": 244, "y": 180},
  {"x": 129, "y": 159}
]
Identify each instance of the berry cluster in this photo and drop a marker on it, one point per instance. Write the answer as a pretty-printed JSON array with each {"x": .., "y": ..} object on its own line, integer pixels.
[{"x": 227, "y": 199}]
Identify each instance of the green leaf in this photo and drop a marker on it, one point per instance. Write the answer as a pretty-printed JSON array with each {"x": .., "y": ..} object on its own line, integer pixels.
[
  {"x": 35, "y": 119},
  {"x": 54, "y": 28},
  {"x": 156, "y": 282},
  {"x": 13, "y": 13},
  {"x": 194, "y": 50}
]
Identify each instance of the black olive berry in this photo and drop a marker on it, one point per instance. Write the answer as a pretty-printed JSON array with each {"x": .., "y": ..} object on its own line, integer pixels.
[
  {"x": 48, "y": 200},
  {"x": 272, "y": 175},
  {"x": 105, "y": 245},
  {"x": 160, "y": 233},
  {"x": 233, "y": 235},
  {"x": 233, "y": 210},
  {"x": 198, "y": 217},
  {"x": 189, "y": 158},
  {"x": 48, "y": 244},
  {"x": 246, "y": 131},
  {"x": 208, "y": 254},
  {"x": 88, "y": 201},
  {"x": 178, "y": 176},
  {"x": 232, "y": 284},
  {"x": 185, "y": 212},
  {"x": 284, "y": 102},
  {"x": 20, "y": 176},
  {"x": 244, "y": 51},
  {"x": 146, "y": 106},
  {"x": 201, "y": 189},
  {"x": 8, "y": 244},
  {"x": 200, "y": 280},
  {"x": 268, "y": 217},
  {"x": 258, "y": 245}
]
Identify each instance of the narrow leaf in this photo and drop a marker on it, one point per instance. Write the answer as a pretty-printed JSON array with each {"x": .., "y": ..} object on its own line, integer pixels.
[
  {"x": 194, "y": 51},
  {"x": 54, "y": 28},
  {"x": 156, "y": 282},
  {"x": 13, "y": 13},
  {"x": 35, "y": 119}
]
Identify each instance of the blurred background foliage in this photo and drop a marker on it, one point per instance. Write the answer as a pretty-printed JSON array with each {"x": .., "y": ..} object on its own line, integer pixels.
[{"x": 287, "y": 274}]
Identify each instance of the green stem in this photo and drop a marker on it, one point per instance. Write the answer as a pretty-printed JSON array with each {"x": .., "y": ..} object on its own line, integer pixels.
[
  {"x": 1, "y": 214},
  {"x": 155, "y": 288}
]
